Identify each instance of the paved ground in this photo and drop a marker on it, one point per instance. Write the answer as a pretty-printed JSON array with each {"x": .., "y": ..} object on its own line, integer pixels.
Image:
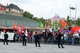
[{"x": 30, "y": 48}]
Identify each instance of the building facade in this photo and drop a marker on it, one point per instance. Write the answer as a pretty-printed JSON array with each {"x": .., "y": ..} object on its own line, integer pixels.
[
  {"x": 2, "y": 9},
  {"x": 55, "y": 19},
  {"x": 13, "y": 9},
  {"x": 12, "y": 13},
  {"x": 7, "y": 21}
]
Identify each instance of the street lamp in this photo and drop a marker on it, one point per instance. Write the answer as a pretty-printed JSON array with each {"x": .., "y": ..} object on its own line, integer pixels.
[{"x": 73, "y": 8}]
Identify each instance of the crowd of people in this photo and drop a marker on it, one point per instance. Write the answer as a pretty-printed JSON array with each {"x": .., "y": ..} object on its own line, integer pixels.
[
  {"x": 52, "y": 37},
  {"x": 38, "y": 37}
]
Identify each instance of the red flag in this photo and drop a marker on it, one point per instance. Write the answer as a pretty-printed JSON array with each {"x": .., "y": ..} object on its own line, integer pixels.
[
  {"x": 77, "y": 28},
  {"x": 62, "y": 23},
  {"x": 19, "y": 30},
  {"x": 73, "y": 30},
  {"x": 22, "y": 28},
  {"x": 17, "y": 25},
  {"x": 45, "y": 26},
  {"x": 14, "y": 26},
  {"x": 67, "y": 27},
  {"x": 4, "y": 30},
  {"x": 28, "y": 34}
]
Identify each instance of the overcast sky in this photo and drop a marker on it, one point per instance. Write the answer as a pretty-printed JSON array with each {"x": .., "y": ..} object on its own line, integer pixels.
[{"x": 46, "y": 8}]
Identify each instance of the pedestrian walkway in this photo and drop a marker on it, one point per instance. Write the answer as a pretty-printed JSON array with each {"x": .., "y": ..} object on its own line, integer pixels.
[{"x": 30, "y": 48}]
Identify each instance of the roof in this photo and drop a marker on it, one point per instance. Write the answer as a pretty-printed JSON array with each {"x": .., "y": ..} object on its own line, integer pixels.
[
  {"x": 13, "y": 6},
  {"x": 7, "y": 21},
  {"x": 1, "y": 4}
]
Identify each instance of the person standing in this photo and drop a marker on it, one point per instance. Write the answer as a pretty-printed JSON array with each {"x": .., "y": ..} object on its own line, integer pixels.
[
  {"x": 50, "y": 36},
  {"x": 46, "y": 36},
  {"x": 65, "y": 38},
  {"x": 60, "y": 37},
  {"x": 6, "y": 38},
  {"x": 33, "y": 37},
  {"x": 37, "y": 39},
  {"x": 23, "y": 38},
  {"x": 70, "y": 38}
]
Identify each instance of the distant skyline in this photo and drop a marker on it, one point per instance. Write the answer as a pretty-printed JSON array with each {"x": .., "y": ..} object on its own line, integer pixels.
[{"x": 46, "y": 8}]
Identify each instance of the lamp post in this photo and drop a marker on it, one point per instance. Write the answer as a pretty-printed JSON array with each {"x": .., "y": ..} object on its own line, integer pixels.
[{"x": 75, "y": 9}]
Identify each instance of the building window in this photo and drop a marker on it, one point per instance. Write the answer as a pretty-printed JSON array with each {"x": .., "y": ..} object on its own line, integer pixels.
[{"x": 9, "y": 9}]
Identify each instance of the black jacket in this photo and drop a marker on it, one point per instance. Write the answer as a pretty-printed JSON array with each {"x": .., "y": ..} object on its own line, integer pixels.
[
  {"x": 50, "y": 34},
  {"x": 23, "y": 37},
  {"x": 59, "y": 36},
  {"x": 37, "y": 37},
  {"x": 6, "y": 36}
]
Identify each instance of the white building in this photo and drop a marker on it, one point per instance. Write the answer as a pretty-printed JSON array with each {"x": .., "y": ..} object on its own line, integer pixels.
[
  {"x": 14, "y": 10},
  {"x": 56, "y": 20}
]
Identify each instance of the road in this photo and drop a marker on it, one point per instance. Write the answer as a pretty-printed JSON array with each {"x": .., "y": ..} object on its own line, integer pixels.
[{"x": 30, "y": 48}]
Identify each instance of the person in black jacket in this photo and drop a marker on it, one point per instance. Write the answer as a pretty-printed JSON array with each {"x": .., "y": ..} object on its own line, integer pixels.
[
  {"x": 23, "y": 38},
  {"x": 50, "y": 37},
  {"x": 37, "y": 37},
  {"x": 60, "y": 37},
  {"x": 6, "y": 38}
]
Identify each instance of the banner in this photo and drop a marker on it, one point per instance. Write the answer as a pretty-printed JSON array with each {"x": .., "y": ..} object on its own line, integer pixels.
[
  {"x": 26, "y": 33},
  {"x": 10, "y": 35}
]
